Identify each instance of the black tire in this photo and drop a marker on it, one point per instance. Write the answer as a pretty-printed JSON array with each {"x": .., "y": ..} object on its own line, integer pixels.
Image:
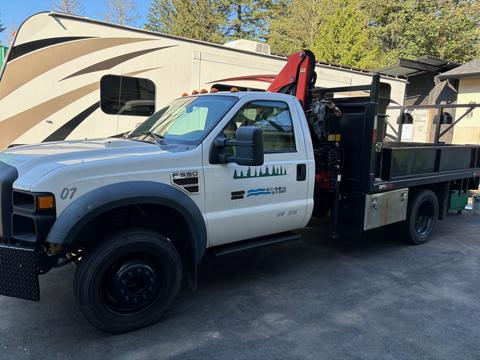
[
  {"x": 422, "y": 215},
  {"x": 128, "y": 281}
]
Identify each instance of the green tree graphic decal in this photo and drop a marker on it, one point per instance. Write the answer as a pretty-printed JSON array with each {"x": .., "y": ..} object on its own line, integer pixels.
[{"x": 262, "y": 172}]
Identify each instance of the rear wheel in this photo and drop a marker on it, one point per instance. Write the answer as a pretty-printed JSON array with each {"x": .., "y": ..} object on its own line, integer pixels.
[
  {"x": 128, "y": 281},
  {"x": 422, "y": 215}
]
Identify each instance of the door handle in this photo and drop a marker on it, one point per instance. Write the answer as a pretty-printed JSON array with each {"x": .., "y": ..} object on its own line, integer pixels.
[{"x": 301, "y": 172}]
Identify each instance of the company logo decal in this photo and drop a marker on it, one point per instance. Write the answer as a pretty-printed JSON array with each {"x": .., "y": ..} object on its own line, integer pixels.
[
  {"x": 274, "y": 190},
  {"x": 262, "y": 172}
]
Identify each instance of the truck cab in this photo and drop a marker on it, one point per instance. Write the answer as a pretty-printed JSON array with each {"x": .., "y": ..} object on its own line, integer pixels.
[{"x": 214, "y": 169}]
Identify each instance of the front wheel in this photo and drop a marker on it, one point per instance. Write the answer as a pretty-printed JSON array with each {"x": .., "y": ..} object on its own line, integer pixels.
[
  {"x": 422, "y": 215},
  {"x": 128, "y": 281}
]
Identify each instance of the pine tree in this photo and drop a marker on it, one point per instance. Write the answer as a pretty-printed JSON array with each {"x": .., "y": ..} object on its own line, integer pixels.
[
  {"x": 248, "y": 19},
  {"x": 448, "y": 29},
  {"x": 241, "y": 174},
  {"x": 249, "y": 172},
  {"x": 256, "y": 173},
  {"x": 235, "y": 175},
  {"x": 274, "y": 171},
  {"x": 336, "y": 31},
  {"x": 345, "y": 37},
  {"x": 294, "y": 24},
  {"x": 194, "y": 19},
  {"x": 267, "y": 172},
  {"x": 68, "y": 6}
]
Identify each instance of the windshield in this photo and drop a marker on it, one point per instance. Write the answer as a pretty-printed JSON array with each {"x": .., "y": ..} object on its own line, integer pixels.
[{"x": 187, "y": 120}]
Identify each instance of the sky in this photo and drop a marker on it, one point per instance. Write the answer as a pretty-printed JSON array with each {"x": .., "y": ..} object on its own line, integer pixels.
[{"x": 14, "y": 12}]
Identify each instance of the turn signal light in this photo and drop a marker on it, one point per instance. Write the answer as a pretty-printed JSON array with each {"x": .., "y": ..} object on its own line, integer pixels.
[{"x": 45, "y": 202}]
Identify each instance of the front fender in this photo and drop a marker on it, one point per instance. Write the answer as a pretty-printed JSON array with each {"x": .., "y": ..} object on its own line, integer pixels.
[{"x": 79, "y": 213}]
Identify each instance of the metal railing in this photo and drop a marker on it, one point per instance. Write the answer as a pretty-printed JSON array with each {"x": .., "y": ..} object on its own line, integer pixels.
[{"x": 437, "y": 121}]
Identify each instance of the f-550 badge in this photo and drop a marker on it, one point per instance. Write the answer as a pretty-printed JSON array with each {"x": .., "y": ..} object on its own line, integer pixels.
[{"x": 186, "y": 180}]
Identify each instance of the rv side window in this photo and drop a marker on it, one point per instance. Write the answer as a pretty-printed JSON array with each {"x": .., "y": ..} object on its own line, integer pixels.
[{"x": 124, "y": 95}]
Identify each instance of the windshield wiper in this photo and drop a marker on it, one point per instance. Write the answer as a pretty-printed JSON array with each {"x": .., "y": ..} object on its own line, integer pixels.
[{"x": 158, "y": 138}]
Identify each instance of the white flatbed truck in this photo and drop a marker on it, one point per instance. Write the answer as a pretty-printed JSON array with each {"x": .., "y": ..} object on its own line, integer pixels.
[{"x": 218, "y": 173}]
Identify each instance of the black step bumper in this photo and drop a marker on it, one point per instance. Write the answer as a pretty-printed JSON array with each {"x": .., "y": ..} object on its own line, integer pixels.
[{"x": 18, "y": 272}]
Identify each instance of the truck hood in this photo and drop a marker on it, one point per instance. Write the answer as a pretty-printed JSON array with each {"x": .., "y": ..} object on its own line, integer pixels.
[{"x": 34, "y": 161}]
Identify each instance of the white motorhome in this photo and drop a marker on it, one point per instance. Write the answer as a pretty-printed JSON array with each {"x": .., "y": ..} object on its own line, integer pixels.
[{"x": 68, "y": 77}]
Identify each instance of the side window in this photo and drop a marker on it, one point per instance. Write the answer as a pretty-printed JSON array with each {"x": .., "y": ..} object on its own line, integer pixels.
[
  {"x": 273, "y": 117},
  {"x": 124, "y": 95}
]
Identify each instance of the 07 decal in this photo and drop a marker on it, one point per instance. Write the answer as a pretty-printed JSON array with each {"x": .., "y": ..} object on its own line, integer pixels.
[
  {"x": 68, "y": 193},
  {"x": 261, "y": 172}
]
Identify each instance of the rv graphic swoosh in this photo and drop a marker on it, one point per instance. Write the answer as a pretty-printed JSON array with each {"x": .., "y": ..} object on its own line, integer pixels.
[
  {"x": 268, "y": 78},
  {"x": 63, "y": 131},
  {"x": 21, "y": 70},
  {"x": 31, "y": 46},
  {"x": 110, "y": 63}
]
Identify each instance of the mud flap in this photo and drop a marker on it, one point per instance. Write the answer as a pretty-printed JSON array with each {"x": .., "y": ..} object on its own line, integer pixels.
[{"x": 18, "y": 273}]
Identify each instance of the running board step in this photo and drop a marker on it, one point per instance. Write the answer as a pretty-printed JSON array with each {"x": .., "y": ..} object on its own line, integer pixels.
[{"x": 225, "y": 250}]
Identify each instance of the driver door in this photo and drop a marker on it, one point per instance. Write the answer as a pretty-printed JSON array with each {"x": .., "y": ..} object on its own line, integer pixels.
[{"x": 243, "y": 202}]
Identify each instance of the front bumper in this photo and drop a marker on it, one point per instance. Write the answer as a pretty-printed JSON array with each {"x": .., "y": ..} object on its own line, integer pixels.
[{"x": 18, "y": 272}]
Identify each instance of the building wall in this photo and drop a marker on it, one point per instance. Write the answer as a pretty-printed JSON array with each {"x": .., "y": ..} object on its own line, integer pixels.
[
  {"x": 422, "y": 89},
  {"x": 467, "y": 131}
]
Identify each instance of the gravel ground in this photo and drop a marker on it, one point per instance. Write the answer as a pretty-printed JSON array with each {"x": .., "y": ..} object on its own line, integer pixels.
[{"x": 316, "y": 298}]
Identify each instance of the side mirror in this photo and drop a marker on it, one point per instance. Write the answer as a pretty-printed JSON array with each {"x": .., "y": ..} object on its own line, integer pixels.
[{"x": 248, "y": 145}]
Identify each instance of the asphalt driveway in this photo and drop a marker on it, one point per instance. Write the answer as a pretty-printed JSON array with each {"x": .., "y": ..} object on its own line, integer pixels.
[{"x": 311, "y": 299}]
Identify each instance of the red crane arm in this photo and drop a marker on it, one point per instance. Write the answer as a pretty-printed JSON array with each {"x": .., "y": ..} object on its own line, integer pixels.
[{"x": 297, "y": 77}]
